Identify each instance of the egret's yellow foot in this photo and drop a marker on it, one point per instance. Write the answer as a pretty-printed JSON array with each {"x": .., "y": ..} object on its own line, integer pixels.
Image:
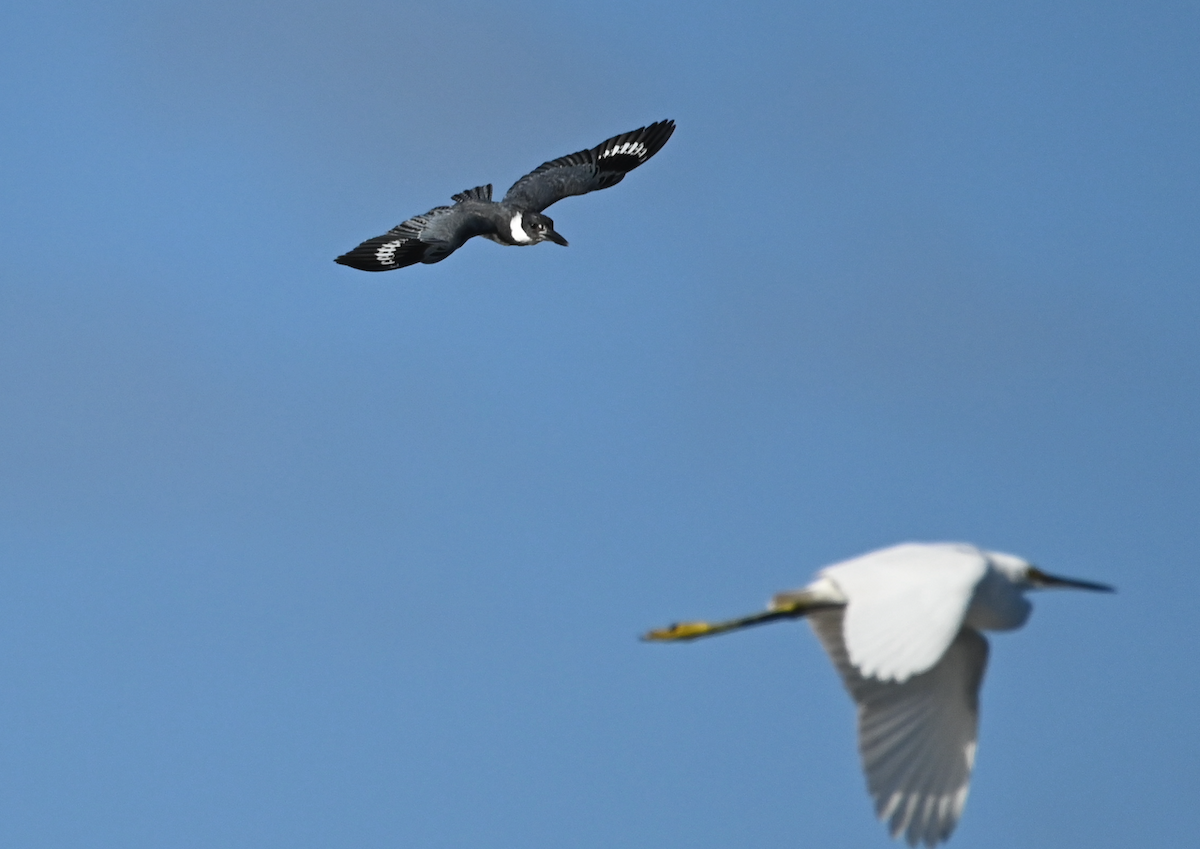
[{"x": 680, "y": 631}]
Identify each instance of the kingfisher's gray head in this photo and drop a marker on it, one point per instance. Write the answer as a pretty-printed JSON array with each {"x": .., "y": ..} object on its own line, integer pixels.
[{"x": 540, "y": 228}]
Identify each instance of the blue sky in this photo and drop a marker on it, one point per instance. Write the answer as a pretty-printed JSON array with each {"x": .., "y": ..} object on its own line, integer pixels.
[{"x": 297, "y": 556}]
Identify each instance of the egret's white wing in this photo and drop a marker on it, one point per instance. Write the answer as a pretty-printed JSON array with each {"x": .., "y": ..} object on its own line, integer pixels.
[
  {"x": 905, "y": 604},
  {"x": 916, "y": 738}
]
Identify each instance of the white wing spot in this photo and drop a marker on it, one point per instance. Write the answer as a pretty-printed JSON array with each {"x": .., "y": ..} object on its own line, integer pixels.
[
  {"x": 633, "y": 148},
  {"x": 386, "y": 253},
  {"x": 518, "y": 232}
]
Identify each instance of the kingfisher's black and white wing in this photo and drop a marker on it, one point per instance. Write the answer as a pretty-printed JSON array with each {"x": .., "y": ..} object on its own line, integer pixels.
[
  {"x": 399, "y": 247},
  {"x": 588, "y": 170},
  {"x": 916, "y": 737},
  {"x": 424, "y": 238}
]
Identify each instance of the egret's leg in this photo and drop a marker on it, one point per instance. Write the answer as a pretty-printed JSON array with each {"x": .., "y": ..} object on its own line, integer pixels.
[{"x": 793, "y": 609}]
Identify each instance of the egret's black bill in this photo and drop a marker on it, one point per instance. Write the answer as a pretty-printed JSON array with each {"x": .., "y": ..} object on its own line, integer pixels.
[{"x": 1042, "y": 579}]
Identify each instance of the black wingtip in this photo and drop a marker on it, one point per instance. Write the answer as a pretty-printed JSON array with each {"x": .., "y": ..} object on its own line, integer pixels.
[
  {"x": 657, "y": 135},
  {"x": 623, "y": 153},
  {"x": 357, "y": 263},
  {"x": 383, "y": 253},
  {"x": 362, "y": 263}
]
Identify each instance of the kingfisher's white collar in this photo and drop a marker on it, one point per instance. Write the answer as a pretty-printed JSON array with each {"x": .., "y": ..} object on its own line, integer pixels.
[{"x": 518, "y": 232}]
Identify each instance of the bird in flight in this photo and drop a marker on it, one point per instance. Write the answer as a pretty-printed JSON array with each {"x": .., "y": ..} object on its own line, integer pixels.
[
  {"x": 901, "y": 626},
  {"x": 518, "y": 218}
]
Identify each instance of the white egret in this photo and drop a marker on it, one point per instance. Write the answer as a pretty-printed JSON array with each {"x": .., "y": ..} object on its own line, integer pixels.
[{"x": 902, "y": 627}]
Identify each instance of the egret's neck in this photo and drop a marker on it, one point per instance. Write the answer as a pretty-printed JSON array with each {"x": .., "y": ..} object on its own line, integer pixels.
[{"x": 998, "y": 604}]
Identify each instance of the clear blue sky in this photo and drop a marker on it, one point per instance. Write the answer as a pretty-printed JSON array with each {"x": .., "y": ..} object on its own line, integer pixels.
[{"x": 296, "y": 556}]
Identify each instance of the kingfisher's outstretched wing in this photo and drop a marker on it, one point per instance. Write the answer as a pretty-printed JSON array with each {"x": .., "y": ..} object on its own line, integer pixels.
[
  {"x": 916, "y": 737},
  {"x": 588, "y": 170},
  {"x": 424, "y": 238}
]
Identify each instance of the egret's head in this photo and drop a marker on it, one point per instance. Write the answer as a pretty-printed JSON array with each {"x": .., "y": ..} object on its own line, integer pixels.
[
  {"x": 1011, "y": 567},
  {"x": 1029, "y": 577},
  {"x": 540, "y": 228}
]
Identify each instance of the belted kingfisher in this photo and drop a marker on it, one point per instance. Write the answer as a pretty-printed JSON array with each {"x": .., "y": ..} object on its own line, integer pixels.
[{"x": 518, "y": 218}]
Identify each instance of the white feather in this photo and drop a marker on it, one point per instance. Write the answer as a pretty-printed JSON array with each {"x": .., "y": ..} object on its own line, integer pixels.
[
  {"x": 906, "y": 606},
  {"x": 631, "y": 148},
  {"x": 518, "y": 232},
  {"x": 386, "y": 253},
  {"x": 916, "y": 738}
]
